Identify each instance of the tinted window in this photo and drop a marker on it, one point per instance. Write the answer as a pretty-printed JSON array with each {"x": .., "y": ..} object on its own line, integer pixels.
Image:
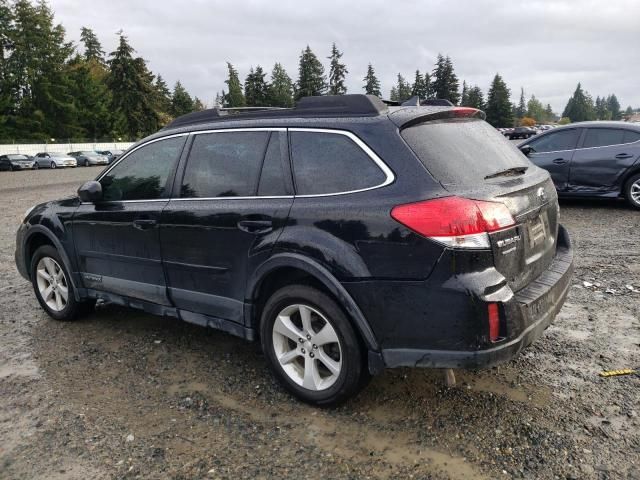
[
  {"x": 601, "y": 137},
  {"x": 143, "y": 174},
  {"x": 556, "y": 141},
  {"x": 224, "y": 164},
  {"x": 462, "y": 152},
  {"x": 331, "y": 163},
  {"x": 631, "y": 136},
  {"x": 272, "y": 181}
]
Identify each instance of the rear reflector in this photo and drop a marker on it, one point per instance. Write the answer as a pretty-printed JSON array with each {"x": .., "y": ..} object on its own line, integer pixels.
[
  {"x": 455, "y": 221},
  {"x": 494, "y": 322}
]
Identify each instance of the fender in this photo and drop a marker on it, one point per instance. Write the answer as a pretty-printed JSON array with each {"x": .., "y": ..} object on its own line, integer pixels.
[
  {"x": 321, "y": 274},
  {"x": 38, "y": 228}
]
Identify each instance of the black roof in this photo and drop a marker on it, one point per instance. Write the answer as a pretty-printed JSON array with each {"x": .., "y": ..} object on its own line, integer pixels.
[{"x": 321, "y": 106}]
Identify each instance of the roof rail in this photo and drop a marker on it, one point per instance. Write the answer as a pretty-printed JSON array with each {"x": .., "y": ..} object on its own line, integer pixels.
[{"x": 322, "y": 106}]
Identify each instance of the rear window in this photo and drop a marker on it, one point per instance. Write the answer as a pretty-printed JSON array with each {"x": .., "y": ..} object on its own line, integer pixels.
[
  {"x": 602, "y": 137},
  {"x": 461, "y": 152},
  {"x": 630, "y": 136}
]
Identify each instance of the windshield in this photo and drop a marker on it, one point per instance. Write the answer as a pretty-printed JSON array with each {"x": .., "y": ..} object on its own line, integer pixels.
[
  {"x": 90, "y": 154},
  {"x": 462, "y": 151},
  {"x": 17, "y": 157}
]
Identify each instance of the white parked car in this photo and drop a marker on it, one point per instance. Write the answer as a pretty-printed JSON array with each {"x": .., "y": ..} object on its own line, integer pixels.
[{"x": 54, "y": 160}]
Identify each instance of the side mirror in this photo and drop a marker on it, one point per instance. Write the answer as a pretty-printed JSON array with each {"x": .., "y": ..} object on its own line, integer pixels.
[
  {"x": 90, "y": 192},
  {"x": 526, "y": 149}
]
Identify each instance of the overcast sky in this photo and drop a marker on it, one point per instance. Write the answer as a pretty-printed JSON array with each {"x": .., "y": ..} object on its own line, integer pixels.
[{"x": 547, "y": 47}]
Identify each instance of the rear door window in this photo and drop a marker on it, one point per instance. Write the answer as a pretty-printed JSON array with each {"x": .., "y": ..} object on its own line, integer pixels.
[
  {"x": 556, "y": 141},
  {"x": 602, "y": 137},
  {"x": 462, "y": 152},
  {"x": 326, "y": 163},
  {"x": 631, "y": 136},
  {"x": 224, "y": 164}
]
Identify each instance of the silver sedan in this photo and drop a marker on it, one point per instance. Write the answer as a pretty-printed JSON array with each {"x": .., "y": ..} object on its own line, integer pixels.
[{"x": 54, "y": 160}]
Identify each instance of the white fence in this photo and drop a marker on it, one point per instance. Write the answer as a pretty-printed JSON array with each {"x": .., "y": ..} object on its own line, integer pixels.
[{"x": 32, "y": 149}]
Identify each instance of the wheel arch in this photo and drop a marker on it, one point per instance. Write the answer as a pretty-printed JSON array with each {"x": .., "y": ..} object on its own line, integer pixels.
[
  {"x": 38, "y": 236},
  {"x": 292, "y": 266}
]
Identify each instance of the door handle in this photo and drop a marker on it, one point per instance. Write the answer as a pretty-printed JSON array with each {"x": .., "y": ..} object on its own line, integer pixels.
[
  {"x": 255, "y": 226},
  {"x": 144, "y": 223},
  {"x": 559, "y": 161},
  {"x": 623, "y": 155}
]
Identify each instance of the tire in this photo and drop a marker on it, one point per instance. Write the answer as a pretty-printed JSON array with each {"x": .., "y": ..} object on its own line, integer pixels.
[
  {"x": 53, "y": 165},
  {"x": 632, "y": 191},
  {"x": 86, "y": 163},
  {"x": 45, "y": 265},
  {"x": 336, "y": 370},
  {"x": 36, "y": 166}
]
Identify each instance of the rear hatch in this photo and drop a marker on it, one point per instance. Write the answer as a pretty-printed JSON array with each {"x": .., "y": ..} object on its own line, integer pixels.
[{"x": 473, "y": 160}]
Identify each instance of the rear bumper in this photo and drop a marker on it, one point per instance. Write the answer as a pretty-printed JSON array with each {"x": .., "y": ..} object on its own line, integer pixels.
[{"x": 534, "y": 308}]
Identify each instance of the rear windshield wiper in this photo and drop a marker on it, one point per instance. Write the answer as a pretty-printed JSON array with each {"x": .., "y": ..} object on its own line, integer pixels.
[{"x": 509, "y": 172}]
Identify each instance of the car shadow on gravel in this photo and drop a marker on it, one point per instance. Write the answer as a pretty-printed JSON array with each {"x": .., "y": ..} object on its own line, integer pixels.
[{"x": 163, "y": 381}]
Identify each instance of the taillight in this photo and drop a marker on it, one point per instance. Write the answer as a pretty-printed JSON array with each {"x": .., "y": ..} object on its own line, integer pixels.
[
  {"x": 455, "y": 221},
  {"x": 494, "y": 322}
]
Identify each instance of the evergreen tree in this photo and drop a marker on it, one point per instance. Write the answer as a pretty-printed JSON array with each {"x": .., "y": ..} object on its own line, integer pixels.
[
  {"x": 445, "y": 82},
  {"x": 419, "y": 87},
  {"x": 198, "y": 106},
  {"x": 536, "y": 110},
  {"x": 337, "y": 73},
  {"x": 280, "y": 88},
  {"x": 602, "y": 109},
  {"x": 629, "y": 111},
  {"x": 235, "y": 97},
  {"x": 580, "y": 106},
  {"x": 181, "y": 101},
  {"x": 311, "y": 78},
  {"x": 614, "y": 107},
  {"x": 475, "y": 98},
  {"x": 464, "y": 98},
  {"x": 256, "y": 90},
  {"x": 371, "y": 82},
  {"x": 132, "y": 94},
  {"x": 163, "y": 95},
  {"x": 7, "y": 104},
  {"x": 91, "y": 98},
  {"x": 499, "y": 113},
  {"x": 403, "y": 89},
  {"x": 393, "y": 94},
  {"x": 521, "y": 109},
  {"x": 550, "y": 116},
  {"x": 92, "y": 47}
]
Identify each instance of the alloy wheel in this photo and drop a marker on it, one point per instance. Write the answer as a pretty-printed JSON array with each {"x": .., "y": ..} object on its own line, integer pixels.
[
  {"x": 307, "y": 347},
  {"x": 635, "y": 191},
  {"x": 52, "y": 284},
  {"x": 53, "y": 165}
]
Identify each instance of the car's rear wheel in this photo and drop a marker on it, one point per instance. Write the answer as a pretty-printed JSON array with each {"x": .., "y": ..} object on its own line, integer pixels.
[
  {"x": 311, "y": 346},
  {"x": 86, "y": 163},
  {"x": 632, "y": 191},
  {"x": 36, "y": 166},
  {"x": 52, "y": 286},
  {"x": 53, "y": 165}
]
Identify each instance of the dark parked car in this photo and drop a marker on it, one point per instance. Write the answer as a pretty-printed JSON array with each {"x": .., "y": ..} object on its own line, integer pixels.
[
  {"x": 591, "y": 159},
  {"x": 13, "y": 162},
  {"x": 522, "y": 132},
  {"x": 346, "y": 236}
]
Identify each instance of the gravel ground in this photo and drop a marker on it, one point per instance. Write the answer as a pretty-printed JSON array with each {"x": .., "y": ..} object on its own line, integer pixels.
[{"x": 122, "y": 394}]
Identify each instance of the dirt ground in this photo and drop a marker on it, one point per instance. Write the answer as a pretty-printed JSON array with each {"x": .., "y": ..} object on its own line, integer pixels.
[{"x": 122, "y": 394}]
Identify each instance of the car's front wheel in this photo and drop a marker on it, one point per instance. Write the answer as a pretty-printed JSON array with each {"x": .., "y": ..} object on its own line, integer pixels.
[
  {"x": 632, "y": 191},
  {"x": 311, "y": 346},
  {"x": 52, "y": 286}
]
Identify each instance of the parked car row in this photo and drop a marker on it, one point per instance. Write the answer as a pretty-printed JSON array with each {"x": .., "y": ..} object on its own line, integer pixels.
[
  {"x": 84, "y": 158},
  {"x": 524, "y": 132}
]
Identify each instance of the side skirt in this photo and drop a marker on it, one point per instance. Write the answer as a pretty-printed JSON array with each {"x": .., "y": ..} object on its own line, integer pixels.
[{"x": 227, "y": 326}]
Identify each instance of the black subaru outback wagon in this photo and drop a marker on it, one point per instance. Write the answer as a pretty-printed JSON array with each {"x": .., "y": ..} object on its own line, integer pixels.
[{"x": 344, "y": 234}]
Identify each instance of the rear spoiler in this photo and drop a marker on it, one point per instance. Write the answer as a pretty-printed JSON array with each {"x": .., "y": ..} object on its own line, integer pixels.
[{"x": 407, "y": 117}]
